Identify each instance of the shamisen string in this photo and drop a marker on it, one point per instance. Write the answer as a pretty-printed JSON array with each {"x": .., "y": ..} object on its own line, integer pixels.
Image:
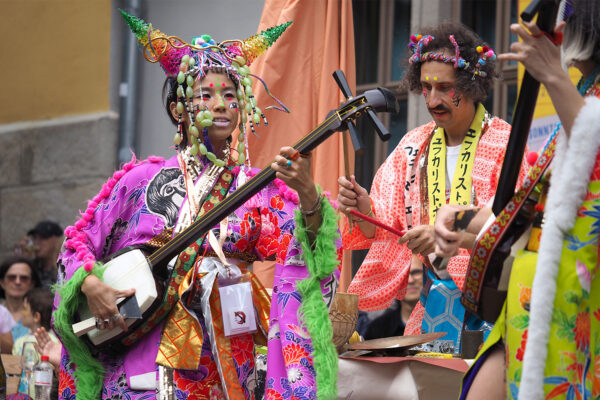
[{"x": 460, "y": 191}]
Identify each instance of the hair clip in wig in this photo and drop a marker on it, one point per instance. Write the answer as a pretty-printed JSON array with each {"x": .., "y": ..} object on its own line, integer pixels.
[
  {"x": 485, "y": 53},
  {"x": 418, "y": 42}
]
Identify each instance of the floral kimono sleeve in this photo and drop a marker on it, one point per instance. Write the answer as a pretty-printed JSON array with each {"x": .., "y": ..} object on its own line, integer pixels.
[
  {"x": 277, "y": 225},
  {"x": 383, "y": 276},
  {"x": 110, "y": 223},
  {"x": 292, "y": 348}
]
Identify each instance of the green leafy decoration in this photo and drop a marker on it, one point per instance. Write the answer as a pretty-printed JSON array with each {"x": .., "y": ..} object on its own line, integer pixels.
[
  {"x": 565, "y": 324},
  {"x": 518, "y": 373},
  {"x": 572, "y": 297},
  {"x": 520, "y": 322},
  {"x": 272, "y": 34},
  {"x": 137, "y": 25}
]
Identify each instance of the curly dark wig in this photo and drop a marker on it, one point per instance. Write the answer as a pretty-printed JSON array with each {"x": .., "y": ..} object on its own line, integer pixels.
[{"x": 476, "y": 89}]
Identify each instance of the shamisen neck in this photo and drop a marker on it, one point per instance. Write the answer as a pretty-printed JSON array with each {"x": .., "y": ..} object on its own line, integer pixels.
[{"x": 456, "y": 134}]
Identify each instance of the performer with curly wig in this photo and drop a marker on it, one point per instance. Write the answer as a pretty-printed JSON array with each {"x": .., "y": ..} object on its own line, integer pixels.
[{"x": 456, "y": 158}]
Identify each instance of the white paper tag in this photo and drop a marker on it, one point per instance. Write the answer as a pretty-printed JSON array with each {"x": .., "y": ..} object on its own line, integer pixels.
[{"x": 237, "y": 309}]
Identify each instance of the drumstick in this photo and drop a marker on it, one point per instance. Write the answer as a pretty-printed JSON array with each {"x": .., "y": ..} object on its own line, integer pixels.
[
  {"x": 376, "y": 222},
  {"x": 347, "y": 172}
]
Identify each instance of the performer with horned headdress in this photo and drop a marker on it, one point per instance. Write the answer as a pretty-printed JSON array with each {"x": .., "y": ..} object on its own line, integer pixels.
[{"x": 196, "y": 344}]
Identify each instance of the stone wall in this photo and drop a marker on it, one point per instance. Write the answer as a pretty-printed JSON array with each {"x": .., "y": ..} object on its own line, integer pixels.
[{"x": 49, "y": 169}]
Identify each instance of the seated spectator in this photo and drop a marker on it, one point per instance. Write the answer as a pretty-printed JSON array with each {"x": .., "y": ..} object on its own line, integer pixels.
[
  {"x": 392, "y": 320},
  {"x": 37, "y": 311},
  {"x": 46, "y": 237},
  {"x": 17, "y": 277}
]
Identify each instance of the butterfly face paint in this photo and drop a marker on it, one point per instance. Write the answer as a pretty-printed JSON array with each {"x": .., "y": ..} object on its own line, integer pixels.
[{"x": 455, "y": 98}]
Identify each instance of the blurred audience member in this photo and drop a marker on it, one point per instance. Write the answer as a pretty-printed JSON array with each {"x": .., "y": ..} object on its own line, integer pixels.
[
  {"x": 42, "y": 244},
  {"x": 6, "y": 324},
  {"x": 37, "y": 311},
  {"x": 392, "y": 320},
  {"x": 17, "y": 277}
]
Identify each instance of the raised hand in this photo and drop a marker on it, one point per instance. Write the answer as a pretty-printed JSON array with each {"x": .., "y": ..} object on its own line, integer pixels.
[
  {"x": 47, "y": 347},
  {"x": 294, "y": 169}
]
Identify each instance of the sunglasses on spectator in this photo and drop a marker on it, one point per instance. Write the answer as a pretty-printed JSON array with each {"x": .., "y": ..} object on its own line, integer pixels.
[{"x": 22, "y": 278}]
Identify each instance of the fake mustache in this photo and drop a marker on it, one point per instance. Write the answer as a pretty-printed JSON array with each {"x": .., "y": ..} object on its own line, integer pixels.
[{"x": 439, "y": 108}]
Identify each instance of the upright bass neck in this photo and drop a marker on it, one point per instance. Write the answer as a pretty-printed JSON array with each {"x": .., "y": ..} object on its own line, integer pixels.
[
  {"x": 523, "y": 114},
  {"x": 379, "y": 99}
]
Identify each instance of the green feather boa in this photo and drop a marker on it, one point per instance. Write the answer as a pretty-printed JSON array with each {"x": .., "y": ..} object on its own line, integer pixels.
[
  {"x": 321, "y": 260},
  {"x": 88, "y": 371}
]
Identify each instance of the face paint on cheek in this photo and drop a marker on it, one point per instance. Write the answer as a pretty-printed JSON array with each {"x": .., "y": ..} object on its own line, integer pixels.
[
  {"x": 455, "y": 98},
  {"x": 424, "y": 93},
  {"x": 233, "y": 105}
]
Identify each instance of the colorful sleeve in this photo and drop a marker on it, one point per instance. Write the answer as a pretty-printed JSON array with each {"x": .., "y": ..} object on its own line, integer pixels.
[
  {"x": 383, "y": 276},
  {"x": 84, "y": 245},
  {"x": 276, "y": 214},
  {"x": 89, "y": 239},
  {"x": 6, "y": 320},
  {"x": 523, "y": 170},
  {"x": 457, "y": 267},
  {"x": 301, "y": 356}
]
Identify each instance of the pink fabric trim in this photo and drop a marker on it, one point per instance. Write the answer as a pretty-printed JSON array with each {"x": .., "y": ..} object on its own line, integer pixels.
[{"x": 75, "y": 238}]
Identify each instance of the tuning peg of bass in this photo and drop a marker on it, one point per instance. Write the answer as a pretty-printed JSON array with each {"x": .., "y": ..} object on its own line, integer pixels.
[
  {"x": 342, "y": 83},
  {"x": 382, "y": 131},
  {"x": 357, "y": 142}
]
